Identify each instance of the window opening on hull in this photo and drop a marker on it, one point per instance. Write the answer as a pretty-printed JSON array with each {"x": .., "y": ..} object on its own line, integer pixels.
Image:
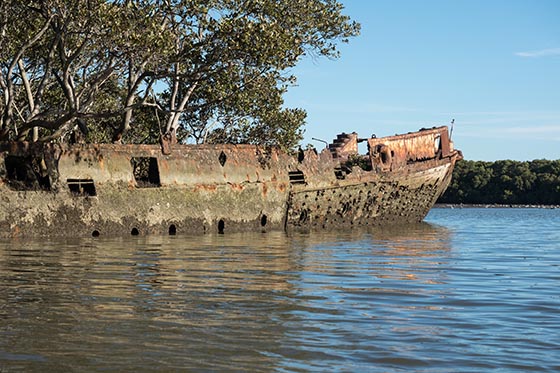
[
  {"x": 81, "y": 187},
  {"x": 296, "y": 177},
  {"x": 146, "y": 172},
  {"x": 27, "y": 173},
  {"x": 339, "y": 173},
  {"x": 437, "y": 144}
]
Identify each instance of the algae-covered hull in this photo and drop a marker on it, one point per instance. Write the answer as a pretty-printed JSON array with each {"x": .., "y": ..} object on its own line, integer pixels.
[{"x": 110, "y": 189}]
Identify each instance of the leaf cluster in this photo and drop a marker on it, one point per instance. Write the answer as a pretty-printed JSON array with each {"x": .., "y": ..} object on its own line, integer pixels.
[{"x": 131, "y": 70}]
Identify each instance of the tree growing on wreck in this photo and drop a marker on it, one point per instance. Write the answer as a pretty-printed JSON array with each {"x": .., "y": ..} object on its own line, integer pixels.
[{"x": 135, "y": 70}]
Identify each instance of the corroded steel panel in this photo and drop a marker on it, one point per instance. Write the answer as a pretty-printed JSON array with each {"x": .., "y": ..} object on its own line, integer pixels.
[
  {"x": 391, "y": 153},
  {"x": 109, "y": 189}
]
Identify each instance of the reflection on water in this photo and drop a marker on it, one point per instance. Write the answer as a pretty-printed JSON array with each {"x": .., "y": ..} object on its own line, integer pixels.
[
  {"x": 172, "y": 302},
  {"x": 378, "y": 300}
]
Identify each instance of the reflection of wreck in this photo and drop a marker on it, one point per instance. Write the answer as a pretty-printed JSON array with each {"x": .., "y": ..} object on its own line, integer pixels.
[{"x": 109, "y": 189}]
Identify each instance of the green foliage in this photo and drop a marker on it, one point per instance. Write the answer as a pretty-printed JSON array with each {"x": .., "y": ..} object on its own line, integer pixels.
[
  {"x": 212, "y": 70},
  {"x": 505, "y": 182},
  {"x": 361, "y": 161}
]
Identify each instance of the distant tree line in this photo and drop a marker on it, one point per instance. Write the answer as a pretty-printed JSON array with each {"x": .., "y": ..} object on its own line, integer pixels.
[{"x": 505, "y": 182}]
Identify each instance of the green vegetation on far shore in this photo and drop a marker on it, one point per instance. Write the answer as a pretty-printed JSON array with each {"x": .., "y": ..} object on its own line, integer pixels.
[{"x": 505, "y": 182}]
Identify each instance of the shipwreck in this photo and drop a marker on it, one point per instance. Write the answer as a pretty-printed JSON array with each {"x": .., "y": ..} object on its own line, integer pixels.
[{"x": 54, "y": 189}]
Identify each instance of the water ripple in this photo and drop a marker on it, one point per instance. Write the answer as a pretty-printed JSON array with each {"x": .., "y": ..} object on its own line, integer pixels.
[{"x": 473, "y": 290}]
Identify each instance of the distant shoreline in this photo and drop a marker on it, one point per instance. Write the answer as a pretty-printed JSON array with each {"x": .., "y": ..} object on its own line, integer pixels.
[{"x": 489, "y": 205}]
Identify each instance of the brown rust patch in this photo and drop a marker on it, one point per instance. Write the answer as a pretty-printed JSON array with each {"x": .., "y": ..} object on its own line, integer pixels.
[
  {"x": 101, "y": 162},
  {"x": 236, "y": 186},
  {"x": 196, "y": 192},
  {"x": 206, "y": 187},
  {"x": 264, "y": 189},
  {"x": 163, "y": 165}
]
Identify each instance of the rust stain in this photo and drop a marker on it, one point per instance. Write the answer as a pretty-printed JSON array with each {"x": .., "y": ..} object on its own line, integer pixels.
[
  {"x": 264, "y": 189},
  {"x": 337, "y": 187},
  {"x": 163, "y": 165},
  {"x": 236, "y": 186},
  {"x": 206, "y": 187},
  {"x": 100, "y": 161}
]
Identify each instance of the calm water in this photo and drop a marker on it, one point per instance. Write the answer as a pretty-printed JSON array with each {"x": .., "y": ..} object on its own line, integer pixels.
[{"x": 472, "y": 290}]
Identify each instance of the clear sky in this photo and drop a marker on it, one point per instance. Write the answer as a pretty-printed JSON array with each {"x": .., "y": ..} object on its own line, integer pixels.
[{"x": 492, "y": 65}]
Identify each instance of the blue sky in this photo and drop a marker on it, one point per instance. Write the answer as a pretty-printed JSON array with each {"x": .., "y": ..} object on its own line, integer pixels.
[{"x": 493, "y": 66}]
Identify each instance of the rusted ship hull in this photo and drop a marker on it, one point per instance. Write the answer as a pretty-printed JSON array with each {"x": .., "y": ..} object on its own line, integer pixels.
[
  {"x": 404, "y": 198},
  {"x": 107, "y": 189}
]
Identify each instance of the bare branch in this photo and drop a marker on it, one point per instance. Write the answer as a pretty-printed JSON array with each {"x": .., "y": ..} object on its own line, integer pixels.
[{"x": 27, "y": 86}]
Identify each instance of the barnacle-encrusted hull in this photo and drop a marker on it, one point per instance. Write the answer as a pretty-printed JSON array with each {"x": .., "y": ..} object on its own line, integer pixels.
[{"x": 109, "y": 189}]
